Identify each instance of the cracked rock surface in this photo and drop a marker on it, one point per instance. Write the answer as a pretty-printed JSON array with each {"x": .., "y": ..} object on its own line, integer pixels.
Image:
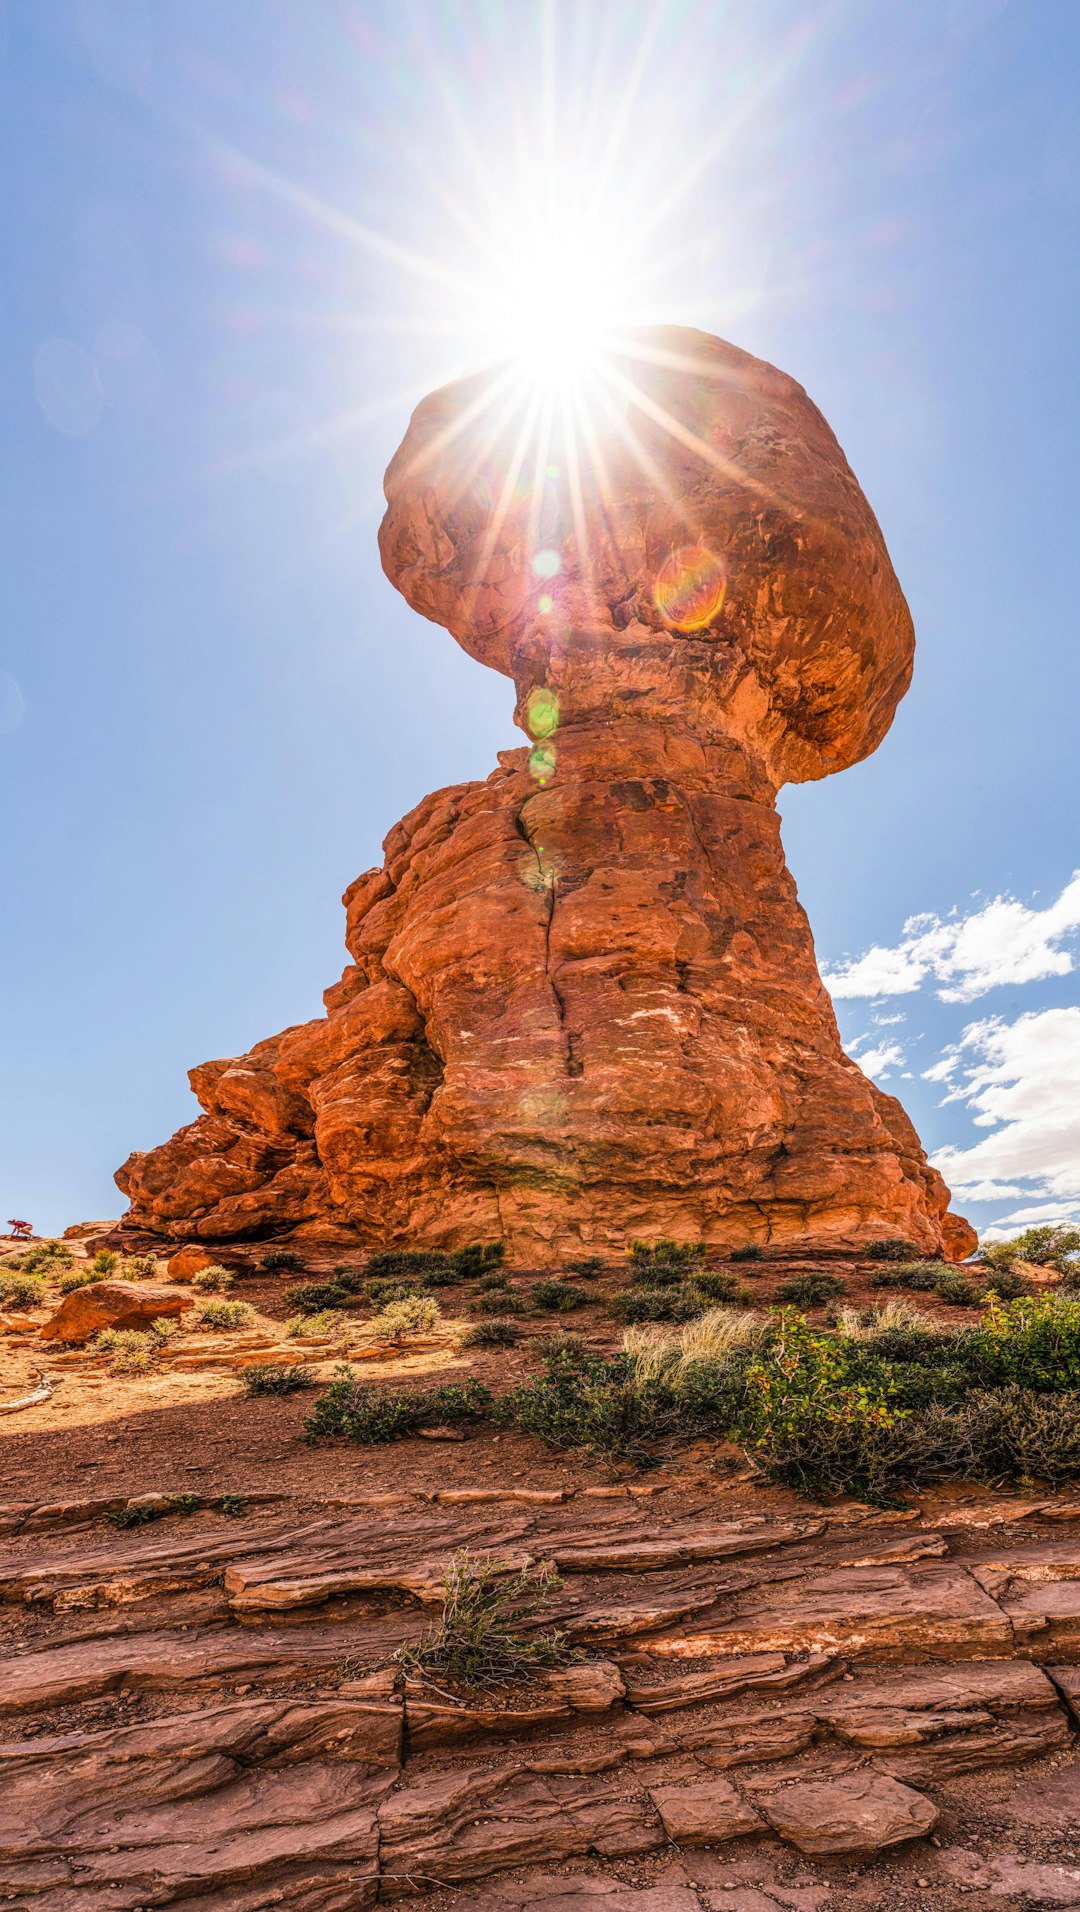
[{"x": 169, "y": 1741}]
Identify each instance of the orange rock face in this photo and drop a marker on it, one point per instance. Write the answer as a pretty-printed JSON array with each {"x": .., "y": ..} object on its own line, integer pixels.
[{"x": 583, "y": 1003}]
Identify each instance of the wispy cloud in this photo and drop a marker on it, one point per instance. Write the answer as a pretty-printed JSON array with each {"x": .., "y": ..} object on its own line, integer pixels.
[
  {"x": 1004, "y": 941},
  {"x": 879, "y": 1062},
  {"x": 1020, "y": 1080}
]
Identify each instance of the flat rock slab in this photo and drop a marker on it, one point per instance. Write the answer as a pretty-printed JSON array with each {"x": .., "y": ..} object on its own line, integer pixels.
[
  {"x": 706, "y": 1814},
  {"x": 859, "y": 1812},
  {"x": 931, "y": 1608}
]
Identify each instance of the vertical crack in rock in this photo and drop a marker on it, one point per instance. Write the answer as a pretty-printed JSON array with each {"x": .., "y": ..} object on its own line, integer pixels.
[{"x": 548, "y": 883}]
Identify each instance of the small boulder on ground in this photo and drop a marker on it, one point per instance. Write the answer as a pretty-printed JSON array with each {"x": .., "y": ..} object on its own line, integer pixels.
[
  {"x": 189, "y": 1261},
  {"x": 110, "y": 1304},
  {"x": 861, "y": 1812}
]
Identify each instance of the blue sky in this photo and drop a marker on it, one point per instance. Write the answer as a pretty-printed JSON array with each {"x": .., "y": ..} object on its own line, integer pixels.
[{"x": 235, "y": 243}]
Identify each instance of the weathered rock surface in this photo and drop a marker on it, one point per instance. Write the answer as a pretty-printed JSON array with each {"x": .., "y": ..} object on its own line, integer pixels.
[
  {"x": 111, "y": 1304},
  {"x": 327, "y": 1781},
  {"x": 583, "y": 1003}
]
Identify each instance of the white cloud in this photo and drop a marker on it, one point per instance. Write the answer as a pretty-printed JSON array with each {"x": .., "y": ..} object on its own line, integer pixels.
[
  {"x": 1003, "y": 942},
  {"x": 886, "y": 1022},
  {"x": 880, "y": 1061},
  {"x": 1021, "y": 1080}
]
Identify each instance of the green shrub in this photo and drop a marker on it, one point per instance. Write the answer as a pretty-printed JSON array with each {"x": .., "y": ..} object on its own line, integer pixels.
[
  {"x": 679, "y": 1303},
  {"x": 1032, "y": 1343},
  {"x": 810, "y": 1424},
  {"x": 1005, "y": 1283},
  {"x": 810, "y": 1290},
  {"x": 80, "y": 1276},
  {"x": 921, "y": 1276},
  {"x": 588, "y": 1268},
  {"x": 137, "y": 1268},
  {"x": 328, "y": 1322},
  {"x": 274, "y": 1377},
  {"x": 479, "y": 1641},
  {"x": 956, "y": 1290},
  {"x": 351, "y": 1279},
  {"x": 666, "y": 1253},
  {"x": 582, "y": 1400},
  {"x": 212, "y": 1281},
  {"x": 557, "y": 1296},
  {"x": 18, "y": 1290},
  {"x": 384, "y": 1289},
  {"x": 747, "y": 1251},
  {"x": 138, "y": 1514},
  {"x": 467, "y": 1263},
  {"x": 1051, "y": 1245},
  {"x": 496, "y": 1301},
  {"x": 282, "y": 1261},
  {"x": 225, "y": 1317},
  {"x": 355, "y": 1410},
  {"x": 105, "y": 1263},
  {"x": 417, "y": 1314},
  {"x": 46, "y": 1258},
  {"x": 490, "y": 1334},
  {"x": 495, "y": 1278},
  {"x": 893, "y": 1248},
  {"x": 313, "y": 1296},
  {"x": 718, "y": 1287},
  {"x": 131, "y": 1349}
]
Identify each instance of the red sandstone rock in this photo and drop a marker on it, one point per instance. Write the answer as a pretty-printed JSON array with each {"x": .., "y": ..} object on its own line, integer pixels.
[
  {"x": 187, "y": 1262},
  {"x": 110, "y": 1304},
  {"x": 860, "y": 1813},
  {"x": 583, "y": 1003}
]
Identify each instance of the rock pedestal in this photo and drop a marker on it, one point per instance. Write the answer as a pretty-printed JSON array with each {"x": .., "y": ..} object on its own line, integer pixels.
[{"x": 583, "y": 1003}]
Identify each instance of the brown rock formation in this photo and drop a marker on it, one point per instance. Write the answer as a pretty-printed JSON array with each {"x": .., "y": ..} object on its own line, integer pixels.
[
  {"x": 110, "y": 1304},
  {"x": 583, "y": 1003}
]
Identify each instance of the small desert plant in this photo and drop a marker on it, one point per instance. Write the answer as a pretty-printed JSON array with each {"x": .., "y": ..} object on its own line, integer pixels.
[
  {"x": 225, "y": 1317},
  {"x": 558, "y": 1296},
  {"x": 490, "y": 1334},
  {"x": 893, "y": 1248},
  {"x": 588, "y": 1268},
  {"x": 80, "y": 1276},
  {"x": 679, "y": 1302},
  {"x": 328, "y": 1324},
  {"x": 496, "y": 1301},
  {"x": 274, "y": 1377},
  {"x": 715, "y": 1337},
  {"x": 105, "y": 1263},
  {"x": 467, "y": 1263},
  {"x": 1032, "y": 1342},
  {"x": 922, "y": 1276},
  {"x": 494, "y": 1278},
  {"x": 313, "y": 1296},
  {"x": 139, "y": 1513},
  {"x": 18, "y": 1290},
  {"x": 390, "y": 1288},
  {"x": 212, "y": 1281},
  {"x": 810, "y": 1290},
  {"x": 136, "y": 1268},
  {"x": 282, "y": 1261},
  {"x": 351, "y": 1279},
  {"x": 1006, "y": 1283},
  {"x": 747, "y": 1251},
  {"x": 131, "y": 1351},
  {"x": 46, "y": 1258},
  {"x": 417, "y": 1314},
  {"x": 480, "y": 1639},
  {"x": 163, "y": 1328},
  {"x": 716, "y": 1286},
  {"x": 354, "y": 1410},
  {"x": 895, "y": 1316},
  {"x": 956, "y": 1290},
  {"x": 667, "y": 1253}
]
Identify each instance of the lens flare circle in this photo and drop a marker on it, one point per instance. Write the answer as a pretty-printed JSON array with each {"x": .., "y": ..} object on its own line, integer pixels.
[{"x": 690, "y": 587}]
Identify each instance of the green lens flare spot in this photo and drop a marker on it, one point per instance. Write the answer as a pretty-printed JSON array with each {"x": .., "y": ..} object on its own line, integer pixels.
[
  {"x": 547, "y": 563},
  {"x": 542, "y": 712}
]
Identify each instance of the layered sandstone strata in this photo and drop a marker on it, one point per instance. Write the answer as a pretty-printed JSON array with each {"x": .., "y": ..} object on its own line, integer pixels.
[{"x": 583, "y": 1003}]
